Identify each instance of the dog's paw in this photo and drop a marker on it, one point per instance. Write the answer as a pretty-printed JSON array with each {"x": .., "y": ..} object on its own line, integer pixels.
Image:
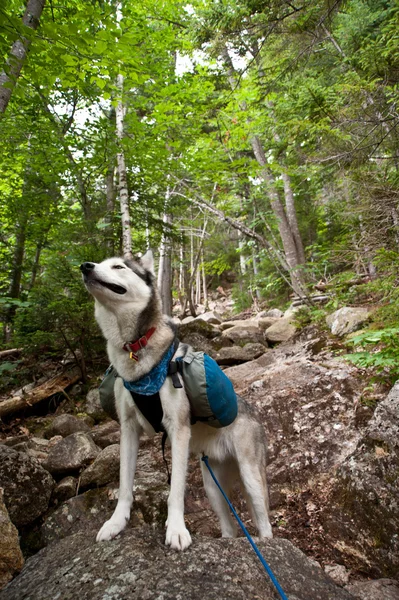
[
  {"x": 110, "y": 529},
  {"x": 178, "y": 538}
]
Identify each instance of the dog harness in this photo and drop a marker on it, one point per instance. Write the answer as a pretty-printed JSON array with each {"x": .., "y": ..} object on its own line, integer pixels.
[{"x": 210, "y": 392}]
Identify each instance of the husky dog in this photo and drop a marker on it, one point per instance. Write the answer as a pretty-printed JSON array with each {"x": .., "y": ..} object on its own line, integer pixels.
[{"x": 127, "y": 307}]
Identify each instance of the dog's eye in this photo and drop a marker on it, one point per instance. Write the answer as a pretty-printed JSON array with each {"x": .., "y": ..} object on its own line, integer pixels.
[{"x": 118, "y": 267}]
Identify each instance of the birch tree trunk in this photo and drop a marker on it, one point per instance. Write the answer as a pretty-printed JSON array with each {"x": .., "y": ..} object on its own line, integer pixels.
[
  {"x": 122, "y": 175},
  {"x": 120, "y": 158},
  {"x": 18, "y": 53},
  {"x": 165, "y": 263}
]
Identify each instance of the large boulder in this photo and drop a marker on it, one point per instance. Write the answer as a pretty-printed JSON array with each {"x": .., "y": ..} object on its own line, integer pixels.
[
  {"x": 71, "y": 454},
  {"x": 244, "y": 334},
  {"x": 363, "y": 511},
  {"x": 84, "y": 513},
  {"x": 210, "y": 317},
  {"x": 239, "y": 323},
  {"x": 308, "y": 410},
  {"x": 281, "y": 331},
  {"x": 137, "y": 566},
  {"x": 104, "y": 469},
  {"x": 27, "y": 486},
  {"x": 64, "y": 425},
  {"x": 379, "y": 589},
  {"x": 347, "y": 319},
  {"x": 236, "y": 355},
  {"x": 11, "y": 559}
]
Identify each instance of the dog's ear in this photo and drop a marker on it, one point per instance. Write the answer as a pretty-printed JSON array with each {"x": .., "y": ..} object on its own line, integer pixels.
[{"x": 147, "y": 260}]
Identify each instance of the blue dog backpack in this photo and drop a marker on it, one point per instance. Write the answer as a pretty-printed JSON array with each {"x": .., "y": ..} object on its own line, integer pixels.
[{"x": 210, "y": 392}]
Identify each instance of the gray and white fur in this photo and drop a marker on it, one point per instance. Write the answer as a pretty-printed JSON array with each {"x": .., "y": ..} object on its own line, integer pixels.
[{"x": 127, "y": 305}]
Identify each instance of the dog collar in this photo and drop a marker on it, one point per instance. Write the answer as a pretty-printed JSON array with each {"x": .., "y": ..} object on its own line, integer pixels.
[{"x": 139, "y": 344}]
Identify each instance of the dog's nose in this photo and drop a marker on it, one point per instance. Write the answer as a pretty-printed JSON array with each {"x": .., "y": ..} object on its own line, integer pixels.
[{"x": 86, "y": 267}]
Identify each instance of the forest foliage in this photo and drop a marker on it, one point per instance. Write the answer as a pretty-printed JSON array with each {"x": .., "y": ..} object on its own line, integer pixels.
[{"x": 260, "y": 140}]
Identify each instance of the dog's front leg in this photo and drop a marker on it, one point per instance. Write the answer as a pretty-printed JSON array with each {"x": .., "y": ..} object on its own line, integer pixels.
[
  {"x": 130, "y": 437},
  {"x": 177, "y": 536}
]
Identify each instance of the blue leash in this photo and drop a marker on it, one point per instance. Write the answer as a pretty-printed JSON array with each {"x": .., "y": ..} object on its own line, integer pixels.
[{"x": 241, "y": 524}]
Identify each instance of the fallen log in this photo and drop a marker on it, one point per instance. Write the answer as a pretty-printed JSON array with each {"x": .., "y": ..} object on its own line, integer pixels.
[
  {"x": 56, "y": 384},
  {"x": 5, "y": 353}
]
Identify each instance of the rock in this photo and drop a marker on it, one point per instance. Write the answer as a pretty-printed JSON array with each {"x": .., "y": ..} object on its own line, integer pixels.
[
  {"x": 106, "y": 434},
  {"x": 104, "y": 469},
  {"x": 11, "y": 559},
  {"x": 85, "y": 513},
  {"x": 281, "y": 331},
  {"x": 92, "y": 405},
  {"x": 198, "y": 326},
  {"x": 71, "y": 454},
  {"x": 244, "y": 334},
  {"x": 239, "y": 323},
  {"x": 136, "y": 565},
  {"x": 236, "y": 354},
  {"x": 379, "y": 589},
  {"x": 27, "y": 486},
  {"x": 210, "y": 317},
  {"x": 64, "y": 425},
  {"x": 275, "y": 313},
  {"x": 363, "y": 511},
  {"x": 242, "y": 376},
  {"x": 266, "y": 322},
  {"x": 187, "y": 320},
  {"x": 291, "y": 311},
  {"x": 347, "y": 319},
  {"x": 307, "y": 409},
  {"x": 338, "y": 573},
  {"x": 65, "y": 489},
  {"x": 14, "y": 440}
]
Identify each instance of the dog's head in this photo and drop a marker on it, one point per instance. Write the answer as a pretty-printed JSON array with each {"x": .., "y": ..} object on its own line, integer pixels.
[{"x": 118, "y": 280}]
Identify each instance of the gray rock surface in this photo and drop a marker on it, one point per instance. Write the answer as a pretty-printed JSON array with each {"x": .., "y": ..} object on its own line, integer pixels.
[
  {"x": 92, "y": 405},
  {"x": 104, "y": 469},
  {"x": 65, "y": 489},
  {"x": 71, "y": 454},
  {"x": 364, "y": 509},
  {"x": 379, "y": 589},
  {"x": 11, "y": 559},
  {"x": 210, "y": 317},
  {"x": 106, "y": 434},
  {"x": 266, "y": 322},
  {"x": 137, "y": 565},
  {"x": 86, "y": 513},
  {"x": 236, "y": 355},
  {"x": 244, "y": 334},
  {"x": 239, "y": 323},
  {"x": 281, "y": 331},
  {"x": 27, "y": 486},
  {"x": 273, "y": 312},
  {"x": 64, "y": 425},
  {"x": 347, "y": 319}
]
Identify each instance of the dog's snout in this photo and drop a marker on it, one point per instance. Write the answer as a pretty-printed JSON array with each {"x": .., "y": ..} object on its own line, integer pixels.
[{"x": 86, "y": 267}]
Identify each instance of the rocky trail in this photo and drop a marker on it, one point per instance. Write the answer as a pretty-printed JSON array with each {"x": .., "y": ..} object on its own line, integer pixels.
[{"x": 333, "y": 478}]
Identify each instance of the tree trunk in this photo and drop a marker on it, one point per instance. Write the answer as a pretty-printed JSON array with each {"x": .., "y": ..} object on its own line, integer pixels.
[
  {"x": 122, "y": 175},
  {"x": 165, "y": 264},
  {"x": 255, "y": 270},
  {"x": 292, "y": 217},
  {"x": 205, "y": 291},
  {"x": 285, "y": 232},
  {"x": 120, "y": 157},
  {"x": 18, "y": 53}
]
